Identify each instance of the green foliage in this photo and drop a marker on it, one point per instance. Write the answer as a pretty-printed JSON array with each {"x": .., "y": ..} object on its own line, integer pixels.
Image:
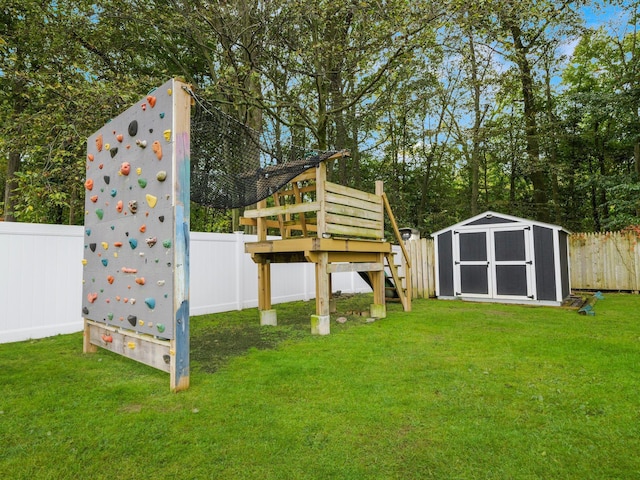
[
  {"x": 427, "y": 97},
  {"x": 450, "y": 390}
]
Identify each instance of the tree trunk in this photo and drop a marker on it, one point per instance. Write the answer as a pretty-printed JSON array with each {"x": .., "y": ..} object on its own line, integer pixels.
[{"x": 536, "y": 170}]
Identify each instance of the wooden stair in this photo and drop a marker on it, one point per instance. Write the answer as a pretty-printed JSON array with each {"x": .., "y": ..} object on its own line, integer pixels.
[{"x": 404, "y": 293}]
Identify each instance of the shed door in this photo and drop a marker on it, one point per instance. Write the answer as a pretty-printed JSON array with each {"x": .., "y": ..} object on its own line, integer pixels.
[
  {"x": 494, "y": 263},
  {"x": 512, "y": 265},
  {"x": 471, "y": 269}
]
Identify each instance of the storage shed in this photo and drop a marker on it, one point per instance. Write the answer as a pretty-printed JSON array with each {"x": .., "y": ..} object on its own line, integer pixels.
[{"x": 500, "y": 258}]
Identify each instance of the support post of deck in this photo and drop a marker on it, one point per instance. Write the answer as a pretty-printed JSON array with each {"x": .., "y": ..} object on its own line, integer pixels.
[
  {"x": 378, "y": 309},
  {"x": 320, "y": 322}
]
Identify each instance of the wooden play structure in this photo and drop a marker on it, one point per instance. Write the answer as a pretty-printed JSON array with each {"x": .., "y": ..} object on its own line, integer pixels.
[{"x": 339, "y": 229}]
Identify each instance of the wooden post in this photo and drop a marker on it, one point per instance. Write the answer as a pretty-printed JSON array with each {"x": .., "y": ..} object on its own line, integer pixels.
[
  {"x": 378, "y": 308},
  {"x": 320, "y": 322},
  {"x": 87, "y": 346},
  {"x": 321, "y": 177}
]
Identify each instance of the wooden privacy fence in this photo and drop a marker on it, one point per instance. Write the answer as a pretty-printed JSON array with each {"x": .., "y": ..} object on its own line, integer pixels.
[
  {"x": 422, "y": 258},
  {"x": 598, "y": 261},
  {"x": 605, "y": 261}
]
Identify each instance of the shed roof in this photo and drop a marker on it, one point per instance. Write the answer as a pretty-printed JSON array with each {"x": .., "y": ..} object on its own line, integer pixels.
[{"x": 494, "y": 218}]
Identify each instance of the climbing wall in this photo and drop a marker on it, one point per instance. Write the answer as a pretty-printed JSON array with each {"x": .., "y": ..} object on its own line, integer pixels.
[{"x": 136, "y": 219}]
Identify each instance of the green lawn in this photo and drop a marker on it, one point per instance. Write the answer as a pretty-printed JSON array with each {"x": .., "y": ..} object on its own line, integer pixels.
[{"x": 452, "y": 390}]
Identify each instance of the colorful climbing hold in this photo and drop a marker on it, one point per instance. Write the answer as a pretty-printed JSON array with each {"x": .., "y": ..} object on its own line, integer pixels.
[
  {"x": 99, "y": 142},
  {"x": 110, "y": 316},
  {"x": 90, "y": 157},
  {"x": 151, "y": 200},
  {"x": 128, "y": 270},
  {"x": 105, "y": 245},
  {"x": 161, "y": 114},
  {"x": 88, "y": 184},
  {"x": 100, "y": 213},
  {"x": 157, "y": 149},
  {"x": 141, "y": 143},
  {"x": 142, "y": 182},
  {"x": 125, "y": 168},
  {"x": 133, "y": 206},
  {"x": 114, "y": 192},
  {"x": 110, "y": 279},
  {"x": 119, "y": 206},
  {"x": 152, "y": 100},
  {"x": 160, "y": 327},
  {"x": 94, "y": 198},
  {"x": 151, "y": 302},
  {"x": 92, "y": 297},
  {"x": 107, "y": 338},
  {"x": 140, "y": 281},
  {"x": 167, "y": 135},
  {"x": 119, "y": 137},
  {"x": 117, "y": 244},
  {"x": 133, "y": 243},
  {"x": 88, "y": 232},
  {"x": 105, "y": 262},
  {"x": 166, "y": 243},
  {"x": 161, "y": 176},
  {"x": 84, "y": 261},
  {"x": 151, "y": 241},
  {"x": 143, "y": 228}
]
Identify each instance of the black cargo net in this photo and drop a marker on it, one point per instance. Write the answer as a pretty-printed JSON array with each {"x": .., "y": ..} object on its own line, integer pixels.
[{"x": 231, "y": 167}]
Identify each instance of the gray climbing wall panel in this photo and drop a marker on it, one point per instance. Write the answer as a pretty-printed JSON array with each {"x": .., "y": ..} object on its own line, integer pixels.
[{"x": 134, "y": 249}]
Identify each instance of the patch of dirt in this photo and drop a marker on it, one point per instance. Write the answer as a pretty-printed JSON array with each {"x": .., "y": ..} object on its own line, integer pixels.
[{"x": 212, "y": 349}]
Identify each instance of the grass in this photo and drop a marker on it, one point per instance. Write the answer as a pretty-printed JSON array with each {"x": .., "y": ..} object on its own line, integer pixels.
[{"x": 451, "y": 390}]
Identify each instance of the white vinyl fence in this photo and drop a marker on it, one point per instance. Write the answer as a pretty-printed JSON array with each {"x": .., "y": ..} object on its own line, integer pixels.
[{"x": 41, "y": 278}]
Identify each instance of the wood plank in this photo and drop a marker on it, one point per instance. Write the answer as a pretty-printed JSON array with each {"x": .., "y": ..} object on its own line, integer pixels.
[
  {"x": 141, "y": 348},
  {"x": 354, "y": 267},
  {"x": 354, "y": 202},
  {"x": 274, "y": 211},
  {"x": 351, "y": 192},
  {"x": 347, "y": 231},
  {"x": 353, "y": 212},
  {"x": 354, "y": 221}
]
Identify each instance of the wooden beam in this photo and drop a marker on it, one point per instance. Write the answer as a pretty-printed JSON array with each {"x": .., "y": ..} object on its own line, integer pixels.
[
  {"x": 273, "y": 211},
  {"x": 396, "y": 230},
  {"x": 141, "y": 348},
  {"x": 355, "y": 267}
]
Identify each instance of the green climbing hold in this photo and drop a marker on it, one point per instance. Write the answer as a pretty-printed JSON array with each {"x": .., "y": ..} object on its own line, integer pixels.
[
  {"x": 166, "y": 243},
  {"x": 160, "y": 327},
  {"x": 100, "y": 213},
  {"x": 142, "y": 182}
]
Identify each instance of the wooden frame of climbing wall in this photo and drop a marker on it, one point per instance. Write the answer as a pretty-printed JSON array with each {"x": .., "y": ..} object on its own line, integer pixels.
[
  {"x": 339, "y": 229},
  {"x": 136, "y": 244}
]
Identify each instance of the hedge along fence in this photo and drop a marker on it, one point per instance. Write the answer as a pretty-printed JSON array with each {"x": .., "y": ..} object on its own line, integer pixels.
[{"x": 598, "y": 261}]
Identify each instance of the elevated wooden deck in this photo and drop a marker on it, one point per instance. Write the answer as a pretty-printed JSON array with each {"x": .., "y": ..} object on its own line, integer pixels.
[{"x": 340, "y": 229}]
